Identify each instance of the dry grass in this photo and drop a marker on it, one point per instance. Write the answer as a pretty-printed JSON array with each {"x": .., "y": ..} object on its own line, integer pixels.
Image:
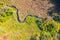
[{"x": 34, "y": 7}]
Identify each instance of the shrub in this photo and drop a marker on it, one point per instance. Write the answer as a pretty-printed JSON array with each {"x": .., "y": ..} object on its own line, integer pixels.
[{"x": 56, "y": 18}]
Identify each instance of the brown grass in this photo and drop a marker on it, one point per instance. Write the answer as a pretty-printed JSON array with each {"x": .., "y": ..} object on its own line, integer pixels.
[{"x": 33, "y": 7}]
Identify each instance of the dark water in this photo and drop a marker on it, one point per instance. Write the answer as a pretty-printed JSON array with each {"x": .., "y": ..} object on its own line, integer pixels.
[
  {"x": 56, "y": 8},
  {"x": 57, "y": 5}
]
